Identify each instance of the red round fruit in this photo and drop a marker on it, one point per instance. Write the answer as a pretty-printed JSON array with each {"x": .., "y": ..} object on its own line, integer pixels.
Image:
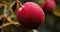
[
  {"x": 49, "y": 6},
  {"x": 31, "y": 15}
]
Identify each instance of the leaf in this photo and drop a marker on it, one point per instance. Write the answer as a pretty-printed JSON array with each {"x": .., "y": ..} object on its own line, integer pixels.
[{"x": 57, "y": 11}]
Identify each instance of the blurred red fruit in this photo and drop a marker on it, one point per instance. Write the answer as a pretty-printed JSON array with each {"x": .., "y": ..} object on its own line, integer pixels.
[
  {"x": 56, "y": 1},
  {"x": 31, "y": 15},
  {"x": 49, "y": 6}
]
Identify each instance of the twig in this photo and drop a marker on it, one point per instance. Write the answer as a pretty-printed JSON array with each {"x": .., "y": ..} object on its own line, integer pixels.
[
  {"x": 19, "y": 2},
  {"x": 4, "y": 25},
  {"x": 5, "y": 2},
  {"x": 7, "y": 24},
  {"x": 9, "y": 19},
  {"x": 11, "y": 22},
  {"x": 5, "y": 12}
]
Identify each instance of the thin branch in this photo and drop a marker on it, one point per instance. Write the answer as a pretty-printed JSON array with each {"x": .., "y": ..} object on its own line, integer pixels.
[
  {"x": 4, "y": 25},
  {"x": 9, "y": 19},
  {"x": 5, "y": 2},
  {"x": 19, "y": 3},
  {"x": 7, "y": 24},
  {"x": 11, "y": 22},
  {"x": 5, "y": 12}
]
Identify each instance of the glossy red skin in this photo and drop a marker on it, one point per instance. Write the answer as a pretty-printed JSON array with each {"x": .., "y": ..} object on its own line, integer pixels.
[
  {"x": 31, "y": 15},
  {"x": 49, "y": 6}
]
